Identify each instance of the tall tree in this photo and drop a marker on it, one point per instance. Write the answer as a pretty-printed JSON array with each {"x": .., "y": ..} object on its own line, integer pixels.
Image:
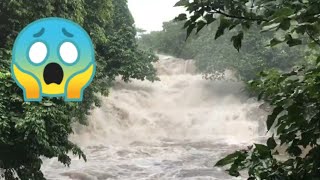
[{"x": 123, "y": 48}]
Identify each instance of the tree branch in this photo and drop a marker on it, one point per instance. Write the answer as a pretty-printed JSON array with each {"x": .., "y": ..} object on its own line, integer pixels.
[
  {"x": 313, "y": 38},
  {"x": 239, "y": 17}
]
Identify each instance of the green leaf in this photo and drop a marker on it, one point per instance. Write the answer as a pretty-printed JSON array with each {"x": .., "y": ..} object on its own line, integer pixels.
[
  {"x": 285, "y": 24},
  {"x": 200, "y": 25},
  {"x": 233, "y": 173},
  {"x": 47, "y": 104},
  {"x": 263, "y": 150},
  {"x": 273, "y": 116},
  {"x": 224, "y": 24},
  {"x": 182, "y": 3},
  {"x": 271, "y": 143},
  {"x": 301, "y": 29},
  {"x": 275, "y": 41},
  {"x": 190, "y": 29},
  {"x": 295, "y": 150},
  {"x": 187, "y": 24},
  {"x": 294, "y": 42},
  {"x": 209, "y": 18},
  {"x": 228, "y": 159},
  {"x": 8, "y": 85},
  {"x": 283, "y": 12},
  {"x": 181, "y": 17},
  {"x": 237, "y": 40}
]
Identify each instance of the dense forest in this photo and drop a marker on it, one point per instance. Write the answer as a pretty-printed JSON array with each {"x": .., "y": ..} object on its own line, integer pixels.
[
  {"x": 213, "y": 56},
  {"x": 28, "y": 130},
  {"x": 294, "y": 95}
]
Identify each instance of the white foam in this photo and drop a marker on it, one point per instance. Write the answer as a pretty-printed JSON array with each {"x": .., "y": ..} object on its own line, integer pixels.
[{"x": 171, "y": 129}]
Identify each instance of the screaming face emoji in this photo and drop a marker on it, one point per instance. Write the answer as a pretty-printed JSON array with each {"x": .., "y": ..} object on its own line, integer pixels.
[{"x": 53, "y": 57}]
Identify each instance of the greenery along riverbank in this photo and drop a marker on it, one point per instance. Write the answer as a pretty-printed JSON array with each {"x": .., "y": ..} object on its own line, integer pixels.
[
  {"x": 295, "y": 119},
  {"x": 213, "y": 55},
  {"x": 31, "y": 130}
]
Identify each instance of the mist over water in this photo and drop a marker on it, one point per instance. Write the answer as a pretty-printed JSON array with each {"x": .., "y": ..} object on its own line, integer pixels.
[{"x": 176, "y": 128}]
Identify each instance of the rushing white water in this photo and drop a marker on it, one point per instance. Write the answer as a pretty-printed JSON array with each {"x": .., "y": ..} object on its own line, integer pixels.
[{"x": 176, "y": 128}]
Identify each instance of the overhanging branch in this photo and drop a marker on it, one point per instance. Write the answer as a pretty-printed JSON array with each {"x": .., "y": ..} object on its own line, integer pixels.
[
  {"x": 239, "y": 17},
  {"x": 313, "y": 38}
]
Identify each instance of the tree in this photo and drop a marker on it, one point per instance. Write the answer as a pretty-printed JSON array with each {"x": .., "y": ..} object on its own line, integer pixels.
[
  {"x": 212, "y": 57},
  {"x": 294, "y": 121},
  {"x": 31, "y": 130},
  {"x": 125, "y": 57}
]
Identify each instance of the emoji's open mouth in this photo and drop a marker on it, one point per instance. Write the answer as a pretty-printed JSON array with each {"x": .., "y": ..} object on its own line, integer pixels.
[{"x": 53, "y": 73}]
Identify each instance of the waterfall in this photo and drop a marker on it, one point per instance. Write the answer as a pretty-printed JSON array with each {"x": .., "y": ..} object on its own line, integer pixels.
[{"x": 175, "y": 128}]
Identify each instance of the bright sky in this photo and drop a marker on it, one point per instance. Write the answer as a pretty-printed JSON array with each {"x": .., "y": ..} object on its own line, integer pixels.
[{"x": 150, "y": 14}]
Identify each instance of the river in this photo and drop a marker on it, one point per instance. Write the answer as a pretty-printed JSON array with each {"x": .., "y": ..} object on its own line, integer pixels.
[{"x": 176, "y": 128}]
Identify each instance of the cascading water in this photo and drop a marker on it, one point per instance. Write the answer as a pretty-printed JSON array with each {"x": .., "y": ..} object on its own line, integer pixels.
[{"x": 176, "y": 128}]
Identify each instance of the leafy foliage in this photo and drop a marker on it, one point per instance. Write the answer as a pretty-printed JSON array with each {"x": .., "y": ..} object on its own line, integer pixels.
[
  {"x": 213, "y": 56},
  {"x": 31, "y": 130},
  {"x": 294, "y": 121},
  {"x": 126, "y": 59},
  {"x": 295, "y": 18}
]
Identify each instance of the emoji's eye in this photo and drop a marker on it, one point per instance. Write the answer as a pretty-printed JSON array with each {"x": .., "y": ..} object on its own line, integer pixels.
[
  {"x": 68, "y": 52},
  {"x": 38, "y": 52}
]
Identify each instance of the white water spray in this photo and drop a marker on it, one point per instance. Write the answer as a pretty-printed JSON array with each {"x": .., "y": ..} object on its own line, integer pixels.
[{"x": 176, "y": 128}]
